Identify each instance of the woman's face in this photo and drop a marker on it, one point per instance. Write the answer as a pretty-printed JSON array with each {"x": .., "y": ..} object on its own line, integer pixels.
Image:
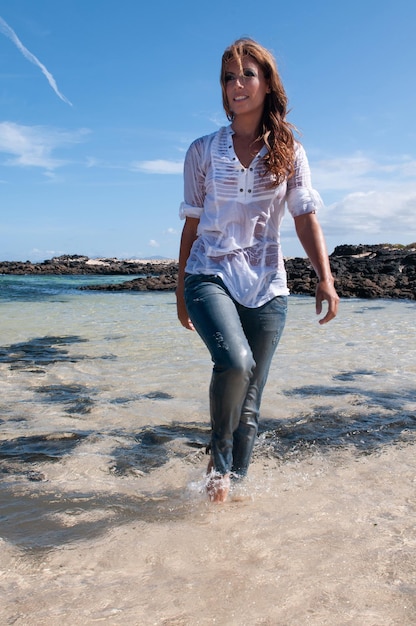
[{"x": 245, "y": 86}]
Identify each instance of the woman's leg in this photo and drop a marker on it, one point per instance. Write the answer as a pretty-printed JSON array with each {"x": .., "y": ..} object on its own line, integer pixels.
[
  {"x": 216, "y": 319},
  {"x": 263, "y": 328}
]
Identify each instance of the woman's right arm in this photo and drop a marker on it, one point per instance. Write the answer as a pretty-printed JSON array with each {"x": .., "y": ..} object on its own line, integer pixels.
[{"x": 189, "y": 234}]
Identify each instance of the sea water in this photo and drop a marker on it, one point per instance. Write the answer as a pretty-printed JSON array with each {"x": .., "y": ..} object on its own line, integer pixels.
[
  {"x": 116, "y": 372},
  {"x": 104, "y": 423}
]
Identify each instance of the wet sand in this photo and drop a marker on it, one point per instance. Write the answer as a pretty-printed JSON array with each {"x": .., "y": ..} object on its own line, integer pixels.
[{"x": 326, "y": 540}]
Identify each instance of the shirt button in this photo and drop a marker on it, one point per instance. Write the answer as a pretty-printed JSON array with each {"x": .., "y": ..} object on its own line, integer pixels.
[
  {"x": 249, "y": 190},
  {"x": 241, "y": 190},
  {"x": 242, "y": 169}
]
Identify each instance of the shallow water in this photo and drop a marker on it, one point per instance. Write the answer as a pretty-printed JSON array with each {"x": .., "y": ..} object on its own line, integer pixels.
[{"x": 104, "y": 423}]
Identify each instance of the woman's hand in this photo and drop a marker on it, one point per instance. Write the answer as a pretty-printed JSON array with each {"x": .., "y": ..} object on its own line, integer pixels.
[
  {"x": 325, "y": 291},
  {"x": 312, "y": 239},
  {"x": 189, "y": 234},
  {"x": 182, "y": 311}
]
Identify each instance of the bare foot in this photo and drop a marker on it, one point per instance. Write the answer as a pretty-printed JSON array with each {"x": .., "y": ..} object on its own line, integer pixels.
[{"x": 218, "y": 485}]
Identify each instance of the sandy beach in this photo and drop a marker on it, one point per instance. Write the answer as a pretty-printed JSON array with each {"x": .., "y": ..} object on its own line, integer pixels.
[{"x": 325, "y": 541}]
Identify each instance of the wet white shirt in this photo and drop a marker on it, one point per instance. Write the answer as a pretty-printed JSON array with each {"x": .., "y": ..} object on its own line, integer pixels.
[{"x": 240, "y": 215}]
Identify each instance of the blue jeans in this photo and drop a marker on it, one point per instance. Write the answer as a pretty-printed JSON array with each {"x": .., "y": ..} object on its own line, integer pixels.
[{"x": 241, "y": 342}]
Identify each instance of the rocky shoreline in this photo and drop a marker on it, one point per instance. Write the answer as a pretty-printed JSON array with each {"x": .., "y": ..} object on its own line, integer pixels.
[{"x": 361, "y": 271}]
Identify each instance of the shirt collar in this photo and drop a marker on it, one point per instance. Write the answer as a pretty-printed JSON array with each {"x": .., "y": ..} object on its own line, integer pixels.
[{"x": 261, "y": 153}]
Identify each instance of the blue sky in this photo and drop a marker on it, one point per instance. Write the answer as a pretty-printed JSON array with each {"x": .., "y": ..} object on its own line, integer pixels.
[{"x": 99, "y": 100}]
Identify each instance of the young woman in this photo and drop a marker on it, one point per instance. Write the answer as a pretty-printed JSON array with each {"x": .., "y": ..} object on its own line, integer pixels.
[{"x": 232, "y": 282}]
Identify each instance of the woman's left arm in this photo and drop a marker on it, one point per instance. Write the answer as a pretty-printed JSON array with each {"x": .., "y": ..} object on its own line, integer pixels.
[{"x": 312, "y": 239}]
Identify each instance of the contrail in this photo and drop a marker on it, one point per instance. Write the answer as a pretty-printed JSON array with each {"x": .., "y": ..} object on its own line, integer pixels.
[{"x": 9, "y": 32}]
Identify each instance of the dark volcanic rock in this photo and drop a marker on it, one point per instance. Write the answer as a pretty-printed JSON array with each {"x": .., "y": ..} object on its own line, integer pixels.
[
  {"x": 160, "y": 279},
  {"x": 376, "y": 271},
  {"x": 373, "y": 271},
  {"x": 76, "y": 264},
  {"x": 361, "y": 271},
  {"x": 379, "y": 271}
]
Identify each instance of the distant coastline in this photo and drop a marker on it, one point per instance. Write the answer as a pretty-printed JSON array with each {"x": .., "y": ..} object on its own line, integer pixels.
[
  {"x": 67, "y": 264},
  {"x": 361, "y": 271}
]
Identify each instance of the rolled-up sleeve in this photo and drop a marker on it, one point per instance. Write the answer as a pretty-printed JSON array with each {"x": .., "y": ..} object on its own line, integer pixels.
[
  {"x": 301, "y": 197},
  {"x": 194, "y": 182}
]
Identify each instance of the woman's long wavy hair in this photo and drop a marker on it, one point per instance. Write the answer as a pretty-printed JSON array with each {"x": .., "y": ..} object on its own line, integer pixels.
[{"x": 275, "y": 130}]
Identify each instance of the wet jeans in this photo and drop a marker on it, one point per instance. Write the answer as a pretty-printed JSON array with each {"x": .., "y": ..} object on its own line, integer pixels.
[{"x": 241, "y": 342}]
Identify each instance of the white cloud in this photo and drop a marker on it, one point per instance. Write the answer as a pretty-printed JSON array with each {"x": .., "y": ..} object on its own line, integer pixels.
[
  {"x": 33, "y": 146},
  {"x": 158, "y": 166},
  {"x": 154, "y": 244},
  {"x": 9, "y": 32},
  {"x": 373, "y": 212},
  {"x": 368, "y": 199},
  {"x": 359, "y": 172},
  {"x": 369, "y": 196}
]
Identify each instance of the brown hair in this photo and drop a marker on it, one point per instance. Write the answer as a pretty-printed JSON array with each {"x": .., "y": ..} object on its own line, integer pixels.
[{"x": 275, "y": 130}]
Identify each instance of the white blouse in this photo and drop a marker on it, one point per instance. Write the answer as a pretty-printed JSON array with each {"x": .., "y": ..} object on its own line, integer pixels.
[{"x": 240, "y": 215}]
